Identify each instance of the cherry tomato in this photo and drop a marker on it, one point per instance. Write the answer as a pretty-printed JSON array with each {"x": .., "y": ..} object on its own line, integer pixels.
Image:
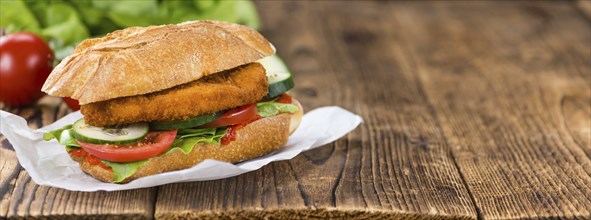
[
  {"x": 26, "y": 61},
  {"x": 72, "y": 103},
  {"x": 234, "y": 116},
  {"x": 154, "y": 144}
]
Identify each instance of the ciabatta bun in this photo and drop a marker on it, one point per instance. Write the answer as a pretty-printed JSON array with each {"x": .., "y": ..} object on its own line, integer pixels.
[
  {"x": 141, "y": 60},
  {"x": 256, "y": 139}
]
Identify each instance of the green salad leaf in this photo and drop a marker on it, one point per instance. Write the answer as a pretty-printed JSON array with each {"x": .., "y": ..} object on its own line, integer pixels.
[
  {"x": 15, "y": 16},
  {"x": 272, "y": 108},
  {"x": 186, "y": 142},
  {"x": 64, "y": 26},
  {"x": 124, "y": 170},
  {"x": 63, "y": 136},
  {"x": 64, "y": 23},
  {"x": 55, "y": 133}
]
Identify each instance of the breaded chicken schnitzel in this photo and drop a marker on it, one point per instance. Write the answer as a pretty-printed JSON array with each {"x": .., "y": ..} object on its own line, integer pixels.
[{"x": 229, "y": 89}]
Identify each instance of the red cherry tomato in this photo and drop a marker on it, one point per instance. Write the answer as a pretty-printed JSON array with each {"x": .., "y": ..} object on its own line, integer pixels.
[
  {"x": 154, "y": 144},
  {"x": 26, "y": 61},
  {"x": 72, "y": 103},
  {"x": 234, "y": 116}
]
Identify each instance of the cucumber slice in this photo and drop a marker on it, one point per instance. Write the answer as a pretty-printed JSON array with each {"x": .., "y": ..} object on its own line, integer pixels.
[
  {"x": 182, "y": 124},
  {"x": 273, "y": 64},
  {"x": 119, "y": 135},
  {"x": 279, "y": 83}
]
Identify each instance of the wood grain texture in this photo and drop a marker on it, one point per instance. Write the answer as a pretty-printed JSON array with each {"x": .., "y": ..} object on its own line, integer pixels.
[
  {"x": 396, "y": 165},
  {"x": 584, "y": 7},
  {"x": 511, "y": 86},
  {"x": 478, "y": 110},
  {"x": 22, "y": 198}
]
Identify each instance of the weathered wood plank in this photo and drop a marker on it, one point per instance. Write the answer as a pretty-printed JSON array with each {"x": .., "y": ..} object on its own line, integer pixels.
[
  {"x": 9, "y": 168},
  {"x": 500, "y": 90},
  {"x": 585, "y": 7},
  {"x": 396, "y": 165},
  {"x": 21, "y": 197},
  {"x": 511, "y": 85}
]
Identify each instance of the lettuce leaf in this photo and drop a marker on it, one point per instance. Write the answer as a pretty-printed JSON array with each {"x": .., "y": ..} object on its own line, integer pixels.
[
  {"x": 124, "y": 170},
  {"x": 268, "y": 109},
  {"x": 64, "y": 23},
  {"x": 207, "y": 135},
  {"x": 194, "y": 132},
  {"x": 16, "y": 16},
  {"x": 64, "y": 26},
  {"x": 63, "y": 136},
  {"x": 55, "y": 133}
]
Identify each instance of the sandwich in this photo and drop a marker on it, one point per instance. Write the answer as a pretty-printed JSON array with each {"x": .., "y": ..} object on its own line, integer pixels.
[{"x": 164, "y": 98}]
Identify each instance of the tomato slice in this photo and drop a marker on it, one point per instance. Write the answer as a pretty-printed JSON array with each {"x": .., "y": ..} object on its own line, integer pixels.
[
  {"x": 152, "y": 145},
  {"x": 231, "y": 134},
  {"x": 234, "y": 116},
  {"x": 284, "y": 98}
]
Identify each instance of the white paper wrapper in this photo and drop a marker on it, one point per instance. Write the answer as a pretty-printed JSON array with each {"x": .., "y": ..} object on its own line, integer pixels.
[{"x": 48, "y": 163}]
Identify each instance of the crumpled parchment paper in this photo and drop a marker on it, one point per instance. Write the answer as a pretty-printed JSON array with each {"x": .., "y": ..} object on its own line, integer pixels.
[{"x": 48, "y": 164}]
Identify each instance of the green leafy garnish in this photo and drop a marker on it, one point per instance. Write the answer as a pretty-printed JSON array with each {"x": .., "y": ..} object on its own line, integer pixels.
[
  {"x": 15, "y": 15},
  {"x": 268, "y": 109},
  {"x": 186, "y": 142},
  {"x": 63, "y": 136},
  {"x": 64, "y": 23},
  {"x": 55, "y": 133},
  {"x": 124, "y": 170},
  {"x": 193, "y": 132}
]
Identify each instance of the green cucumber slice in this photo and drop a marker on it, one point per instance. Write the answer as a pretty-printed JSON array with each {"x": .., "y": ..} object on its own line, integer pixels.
[
  {"x": 118, "y": 135},
  {"x": 279, "y": 83},
  {"x": 273, "y": 64},
  {"x": 182, "y": 124}
]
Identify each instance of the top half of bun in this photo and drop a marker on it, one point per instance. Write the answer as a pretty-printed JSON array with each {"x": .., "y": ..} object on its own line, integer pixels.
[{"x": 141, "y": 60}]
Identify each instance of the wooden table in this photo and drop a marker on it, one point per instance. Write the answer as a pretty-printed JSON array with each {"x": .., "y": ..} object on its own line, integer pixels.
[{"x": 472, "y": 110}]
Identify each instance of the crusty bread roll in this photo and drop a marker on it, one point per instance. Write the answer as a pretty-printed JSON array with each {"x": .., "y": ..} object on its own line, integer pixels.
[
  {"x": 256, "y": 139},
  {"x": 141, "y": 60},
  {"x": 143, "y": 73}
]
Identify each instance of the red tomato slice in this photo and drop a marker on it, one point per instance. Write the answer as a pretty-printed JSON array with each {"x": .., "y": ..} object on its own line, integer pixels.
[
  {"x": 284, "y": 98},
  {"x": 231, "y": 134},
  {"x": 234, "y": 116},
  {"x": 154, "y": 144}
]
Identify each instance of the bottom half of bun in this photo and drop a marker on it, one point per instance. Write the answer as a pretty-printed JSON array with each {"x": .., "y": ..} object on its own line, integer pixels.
[{"x": 256, "y": 139}]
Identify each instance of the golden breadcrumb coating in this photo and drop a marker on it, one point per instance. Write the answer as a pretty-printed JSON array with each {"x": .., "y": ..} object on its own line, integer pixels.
[{"x": 229, "y": 89}]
